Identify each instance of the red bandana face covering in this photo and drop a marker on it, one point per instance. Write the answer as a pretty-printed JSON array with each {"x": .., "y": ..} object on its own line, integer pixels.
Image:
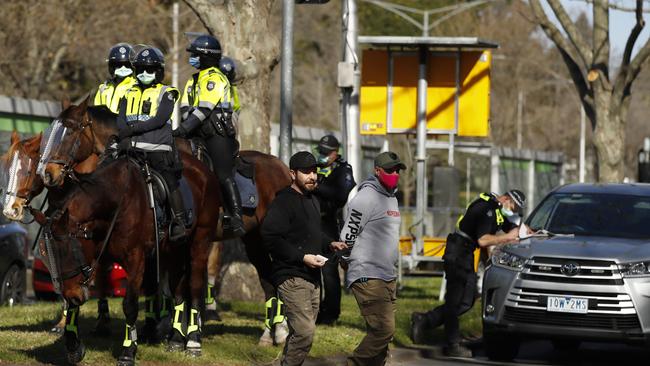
[{"x": 389, "y": 180}]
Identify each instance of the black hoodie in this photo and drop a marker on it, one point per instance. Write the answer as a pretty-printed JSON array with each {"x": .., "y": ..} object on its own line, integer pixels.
[{"x": 290, "y": 230}]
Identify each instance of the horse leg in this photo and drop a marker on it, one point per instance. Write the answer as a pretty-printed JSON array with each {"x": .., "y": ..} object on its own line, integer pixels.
[
  {"x": 130, "y": 308},
  {"x": 60, "y": 324},
  {"x": 151, "y": 303},
  {"x": 262, "y": 263},
  {"x": 75, "y": 349},
  {"x": 199, "y": 261},
  {"x": 214, "y": 281},
  {"x": 177, "y": 283},
  {"x": 102, "y": 324}
]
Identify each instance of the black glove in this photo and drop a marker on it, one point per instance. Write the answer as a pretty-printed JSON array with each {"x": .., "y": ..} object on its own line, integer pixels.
[
  {"x": 179, "y": 132},
  {"x": 124, "y": 145},
  {"x": 125, "y": 132}
]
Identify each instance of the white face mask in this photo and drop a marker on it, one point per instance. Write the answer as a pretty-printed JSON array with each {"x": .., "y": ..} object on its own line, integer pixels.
[
  {"x": 146, "y": 78},
  {"x": 123, "y": 72},
  {"x": 506, "y": 212}
]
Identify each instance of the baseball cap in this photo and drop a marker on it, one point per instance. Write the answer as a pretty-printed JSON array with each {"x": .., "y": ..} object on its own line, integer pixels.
[
  {"x": 388, "y": 160},
  {"x": 302, "y": 160},
  {"x": 328, "y": 143},
  {"x": 518, "y": 197}
]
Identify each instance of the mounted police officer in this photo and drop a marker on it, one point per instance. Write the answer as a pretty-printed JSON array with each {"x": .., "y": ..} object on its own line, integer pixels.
[
  {"x": 144, "y": 124},
  {"x": 207, "y": 109},
  {"x": 335, "y": 181},
  {"x": 121, "y": 77},
  {"x": 477, "y": 228}
]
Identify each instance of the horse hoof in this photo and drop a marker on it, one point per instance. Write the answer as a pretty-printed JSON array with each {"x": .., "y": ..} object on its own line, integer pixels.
[
  {"x": 265, "y": 339},
  {"x": 193, "y": 352},
  {"x": 175, "y": 346},
  {"x": 125, "y": 361},
  {"x": 77, "y": 355}
]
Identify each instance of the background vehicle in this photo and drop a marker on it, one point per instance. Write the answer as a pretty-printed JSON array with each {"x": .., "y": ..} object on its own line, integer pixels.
[
  {"x": 12, "y": 262},
  {"x": 586, "y": 278}
]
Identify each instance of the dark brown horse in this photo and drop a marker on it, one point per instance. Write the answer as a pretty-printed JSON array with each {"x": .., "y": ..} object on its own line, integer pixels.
[
  {"x": 94, "y": 126},
  {"x": 108, "y": 214}
]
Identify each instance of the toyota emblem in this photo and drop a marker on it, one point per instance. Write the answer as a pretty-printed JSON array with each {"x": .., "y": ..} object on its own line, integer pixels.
[{"x": 570, "y": 269}]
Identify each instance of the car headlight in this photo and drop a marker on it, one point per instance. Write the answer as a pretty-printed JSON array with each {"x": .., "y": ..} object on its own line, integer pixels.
[
  {"x": 634, "y": 269},
  {"x": 508, "y": 260}
]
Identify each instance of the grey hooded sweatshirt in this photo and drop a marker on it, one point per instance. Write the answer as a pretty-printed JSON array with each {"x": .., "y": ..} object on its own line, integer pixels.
[{"x": 371, "y": 230}]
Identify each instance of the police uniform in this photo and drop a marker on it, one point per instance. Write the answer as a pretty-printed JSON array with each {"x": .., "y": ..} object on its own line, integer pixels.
[
  {"x": 483, "y": 216},
  {"x": 109, "y": 93},
  {"x": 334, "y": 185}
]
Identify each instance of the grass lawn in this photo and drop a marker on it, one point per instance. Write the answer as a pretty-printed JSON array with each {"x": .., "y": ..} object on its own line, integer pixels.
[{"x": 24, "y": 337}]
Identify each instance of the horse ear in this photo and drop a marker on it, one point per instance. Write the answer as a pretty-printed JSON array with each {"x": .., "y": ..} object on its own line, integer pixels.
[
  {"x": 14, "y": 137},
  {"x": 65, "y": 103}
]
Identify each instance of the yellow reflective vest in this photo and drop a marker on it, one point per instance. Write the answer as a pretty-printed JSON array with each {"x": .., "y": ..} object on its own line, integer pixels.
[
  {"x": 109, "y": 94},
  {"x": 207, "y": 89},
  {"x": 141, "y": 105}
]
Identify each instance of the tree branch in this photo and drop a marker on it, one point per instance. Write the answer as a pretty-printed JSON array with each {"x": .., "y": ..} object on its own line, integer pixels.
[
  {"x": 572, "y": 32},
  {"x": 638, "y": 27},
  {"x": 615, "y": 6}
]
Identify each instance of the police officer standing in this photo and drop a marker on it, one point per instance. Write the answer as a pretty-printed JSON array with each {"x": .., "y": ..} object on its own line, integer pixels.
[
  {"x": 335, "y": 181},
  {"x": 207, "y": 109},
  {"x": 120, "y": 80},
  {"x": 484, "y": 217}
]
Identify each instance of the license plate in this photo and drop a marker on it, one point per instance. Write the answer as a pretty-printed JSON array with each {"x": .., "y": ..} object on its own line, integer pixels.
[{"x": 567, "y": 304}]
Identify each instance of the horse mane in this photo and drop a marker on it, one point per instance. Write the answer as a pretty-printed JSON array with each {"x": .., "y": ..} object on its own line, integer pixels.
[{"x": 18, "y": 144}]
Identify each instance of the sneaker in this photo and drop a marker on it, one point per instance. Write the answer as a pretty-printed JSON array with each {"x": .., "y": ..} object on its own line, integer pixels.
[
  {"x": 418, "y": 325},
  {"x": 456, "y": 350}
]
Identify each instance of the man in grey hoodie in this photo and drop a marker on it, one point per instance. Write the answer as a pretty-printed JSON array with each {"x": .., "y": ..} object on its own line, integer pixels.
[{"x": 371, "y": 231}]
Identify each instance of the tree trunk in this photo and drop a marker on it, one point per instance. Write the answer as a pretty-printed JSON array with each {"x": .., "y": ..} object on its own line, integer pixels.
[{"x": 609, "y": 138}]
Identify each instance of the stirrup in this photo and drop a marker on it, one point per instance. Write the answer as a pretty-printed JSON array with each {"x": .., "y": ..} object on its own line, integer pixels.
[
  {"x": 230, "y": 226},
  {"x": 176, "y": 224}
]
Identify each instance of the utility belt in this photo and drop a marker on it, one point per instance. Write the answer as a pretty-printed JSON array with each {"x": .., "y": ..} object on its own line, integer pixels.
[
  {"x": 459, "y": 251},
  {"x": 218, "y": 123}
]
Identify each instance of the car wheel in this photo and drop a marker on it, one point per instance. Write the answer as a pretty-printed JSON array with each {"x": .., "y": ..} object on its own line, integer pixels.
[
  {"x": 500, "y": 348},
  {"x": 13, "y": 286},
  {"x": 566, "y": 345}
]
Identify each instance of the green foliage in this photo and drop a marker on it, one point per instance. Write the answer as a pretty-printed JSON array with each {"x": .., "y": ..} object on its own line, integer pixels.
[{"x": 26, "y": 340}]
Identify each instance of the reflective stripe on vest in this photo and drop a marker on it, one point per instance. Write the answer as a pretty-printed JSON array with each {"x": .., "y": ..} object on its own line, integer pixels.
[{"x": 109, "y": 95}]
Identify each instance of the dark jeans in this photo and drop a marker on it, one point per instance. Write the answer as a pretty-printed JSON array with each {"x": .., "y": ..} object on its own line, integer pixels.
[
  {"x": 459, "y": 298},
  {"x": 330, "y": 305}
]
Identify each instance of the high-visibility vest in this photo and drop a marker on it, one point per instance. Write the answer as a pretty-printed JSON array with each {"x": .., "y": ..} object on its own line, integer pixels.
[{"x": 109, "y": 94}]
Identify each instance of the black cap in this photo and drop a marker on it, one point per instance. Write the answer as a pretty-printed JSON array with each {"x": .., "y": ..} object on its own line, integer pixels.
[
  {"x": 388, "y": 160},
  {"x": 518, "y": 197},
  {"x": 327, "y": 144},
  {"x": 302, "y": 160}
]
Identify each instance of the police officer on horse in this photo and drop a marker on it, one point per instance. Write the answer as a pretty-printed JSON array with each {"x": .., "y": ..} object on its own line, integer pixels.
[{"x": 120, "y": 80}]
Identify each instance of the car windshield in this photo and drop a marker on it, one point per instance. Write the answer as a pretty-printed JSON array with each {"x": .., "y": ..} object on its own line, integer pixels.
[{"x": 611, "y": 215}]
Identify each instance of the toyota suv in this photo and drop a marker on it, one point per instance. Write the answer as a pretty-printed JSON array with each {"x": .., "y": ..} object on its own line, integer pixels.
[{"x": 583, "y": 275}]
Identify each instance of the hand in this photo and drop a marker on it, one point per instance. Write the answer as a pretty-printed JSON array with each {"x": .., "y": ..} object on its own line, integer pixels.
[
  {"x": 179, "y": 132},
  {"x": 513, "y": 234},
  {"x": 312, "y": 261},
  {"x": 124, "y": 144},
  {"x": 338, "y": 245},
  {"x": 125, "y": 132}
]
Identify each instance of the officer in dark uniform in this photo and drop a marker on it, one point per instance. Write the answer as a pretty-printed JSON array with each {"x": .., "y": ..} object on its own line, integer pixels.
[
  {"x": 335, "y": 181},
  {"x": 484, "y": 217}
]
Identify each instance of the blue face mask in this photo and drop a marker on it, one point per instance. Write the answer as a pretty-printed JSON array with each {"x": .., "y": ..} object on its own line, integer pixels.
[
  {"x": 506, "y": 212},
  {"x": 195, "y": 62}
]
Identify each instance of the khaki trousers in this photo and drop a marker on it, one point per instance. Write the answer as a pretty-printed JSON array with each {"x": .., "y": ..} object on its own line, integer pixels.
[
  {"x": 301, "y": 300},
  {"x": 377, "y": 303}
]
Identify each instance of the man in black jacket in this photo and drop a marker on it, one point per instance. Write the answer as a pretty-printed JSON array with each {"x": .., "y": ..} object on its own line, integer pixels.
[
  {"x": 292, "y": 233},
  {"x": 335, "y": 181}
]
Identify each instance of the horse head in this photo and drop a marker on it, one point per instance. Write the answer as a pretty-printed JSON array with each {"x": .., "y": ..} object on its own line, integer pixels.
[
  {"x": 69, "y": 142},
  {"x": 22, "y": 181}
]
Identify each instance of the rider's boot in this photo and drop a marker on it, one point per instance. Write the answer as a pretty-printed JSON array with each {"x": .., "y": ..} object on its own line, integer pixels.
[
  {"x": 233, "y": 200},
  {"x": 177, "y": 225}
]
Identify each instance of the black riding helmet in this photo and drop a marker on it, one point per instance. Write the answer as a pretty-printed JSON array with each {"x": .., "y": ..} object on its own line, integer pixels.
[
  {"x": 207, "y": 48},
  {"x": 151, "y": 60},
  {"x": 119, "y": 55},
  {"x": 227, "y": 67}
]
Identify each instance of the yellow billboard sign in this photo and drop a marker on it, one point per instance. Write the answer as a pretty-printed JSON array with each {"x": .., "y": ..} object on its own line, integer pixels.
[{"x": 388, "y": 95}]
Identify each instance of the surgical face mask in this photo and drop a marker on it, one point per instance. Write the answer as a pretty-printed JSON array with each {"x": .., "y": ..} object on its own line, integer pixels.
[
  {"x": 507, "y": 212},
  {"x": 123, "y": 72},
  {"x": 146, "y": 78},
  {"x": 323, "y": 160},
  {"x": 195, "y": 62},
  {"x": 388, "y": 180}
]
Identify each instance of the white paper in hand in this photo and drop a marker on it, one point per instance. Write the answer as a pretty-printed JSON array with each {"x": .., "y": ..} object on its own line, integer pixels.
[{"x": 320, "y": 258}]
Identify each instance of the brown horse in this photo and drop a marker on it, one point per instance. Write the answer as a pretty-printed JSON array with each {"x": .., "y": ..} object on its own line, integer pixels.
[
  {"x": 108, "y": 213},
  {"x": 92, "y": 127}
]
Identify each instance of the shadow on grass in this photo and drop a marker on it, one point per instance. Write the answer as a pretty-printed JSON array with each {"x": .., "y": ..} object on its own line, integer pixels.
[{"x": 220, "y": 329}]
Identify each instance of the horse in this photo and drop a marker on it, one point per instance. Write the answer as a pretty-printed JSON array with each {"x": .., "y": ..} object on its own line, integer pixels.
[
  {"x": 24, "y": 184},
  {"x": 94, "y": 126},
  {"x": 108, "y": 213}
]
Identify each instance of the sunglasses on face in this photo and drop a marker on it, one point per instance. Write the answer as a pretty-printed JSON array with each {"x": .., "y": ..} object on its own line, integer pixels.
[
  {"x": 117, "y": 65},
  {"x": 149, "y": 69}
]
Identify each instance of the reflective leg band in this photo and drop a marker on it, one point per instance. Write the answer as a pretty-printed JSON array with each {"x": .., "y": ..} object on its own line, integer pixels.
[
  {"x": 274, "y": 312},
  {"x": 130, "y": 336},
  {"x": 195, "y": 321},
  {"x": 209, "y": 298},
  {"x": 71, "y": 320},
  {"x": 165, "y": 304},
  {"x": 149, "y": 306},
  {"x": 178, "y": 314}
]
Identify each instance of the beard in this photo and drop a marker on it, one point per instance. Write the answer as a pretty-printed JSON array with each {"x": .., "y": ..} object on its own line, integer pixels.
[{"x": 307, "y": 186}]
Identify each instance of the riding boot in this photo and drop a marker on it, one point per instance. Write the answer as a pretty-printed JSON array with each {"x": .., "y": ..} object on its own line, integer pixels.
[
  {"x": 233, "y": 200},
  {"x": 177, "y": 225}
]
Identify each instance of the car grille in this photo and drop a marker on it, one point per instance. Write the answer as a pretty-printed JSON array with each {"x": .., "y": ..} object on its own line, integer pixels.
[
  {"x": 599, "y": 302},
  {"x": 600, "y": 321},
  {"x": 592, "y": 272}
]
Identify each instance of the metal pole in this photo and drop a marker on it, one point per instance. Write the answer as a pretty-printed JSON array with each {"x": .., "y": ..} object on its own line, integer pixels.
[
  {"x": 425, "y": 24},
  {"x": 286, "y": 87},
  {"x": 175, "y": 120},
  {"x": 520, "y": 116},
  {"x": 531, "y": 187},
  {"x": 421, "y": 147},
  {"x": 581, "y": 178},
  {"x": 352, "y": 118},
  {"x": 469, "y": 178}
]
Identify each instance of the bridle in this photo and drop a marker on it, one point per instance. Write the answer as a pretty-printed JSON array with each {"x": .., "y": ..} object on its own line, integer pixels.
[
  {"x": 31, "y": 181},
  {"x": 67, "y": 163}
]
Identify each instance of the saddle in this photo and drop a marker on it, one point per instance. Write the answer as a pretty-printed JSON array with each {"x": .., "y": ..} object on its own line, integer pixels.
[{"x": 244, "y": 173}]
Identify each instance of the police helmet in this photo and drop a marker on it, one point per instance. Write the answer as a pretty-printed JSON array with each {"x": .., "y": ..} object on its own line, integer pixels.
[
  {"x": 327, "y": 144},
  {"x": 150, "y": 59},
  {"x": 227, "y": 67},
  {"x": 205, "y": 46},
  {"x": 119, "y": 55}
]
